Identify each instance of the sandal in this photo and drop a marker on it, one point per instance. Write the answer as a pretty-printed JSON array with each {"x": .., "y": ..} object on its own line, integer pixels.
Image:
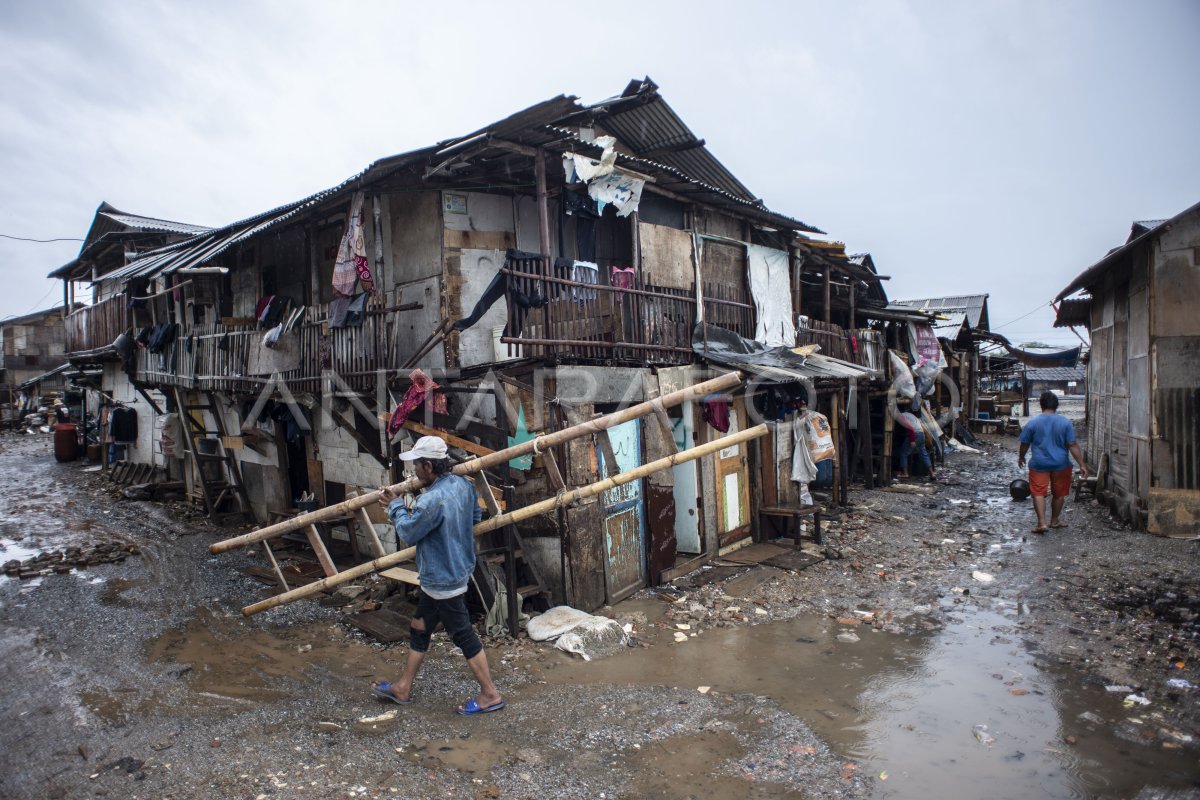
[{"x": 383, "y": 690}]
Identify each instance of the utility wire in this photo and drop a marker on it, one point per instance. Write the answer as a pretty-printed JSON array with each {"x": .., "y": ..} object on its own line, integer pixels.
[
  {"x": 1023, "y": 316},
  {"x": 40, "y": 241}
]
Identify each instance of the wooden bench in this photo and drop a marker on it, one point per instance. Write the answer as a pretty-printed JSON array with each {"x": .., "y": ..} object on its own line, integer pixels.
[{"x": 792, "y": 516}]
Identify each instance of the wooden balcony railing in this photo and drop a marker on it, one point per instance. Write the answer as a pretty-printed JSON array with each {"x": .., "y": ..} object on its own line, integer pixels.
[
  {"x": 216, "y": 357},
  {"x": 553, "y": 315},
  {"x": 97, "y": 325}
]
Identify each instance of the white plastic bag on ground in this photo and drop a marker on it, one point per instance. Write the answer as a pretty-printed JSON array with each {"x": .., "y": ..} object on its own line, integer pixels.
[
  {"x": 578, "y": 632},
  {"x": 555, "y": 622}
]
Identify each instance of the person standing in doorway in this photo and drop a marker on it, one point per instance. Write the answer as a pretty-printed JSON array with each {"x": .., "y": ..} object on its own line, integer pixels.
[
  {"x": 1052, "y": 439},
  {"x": 441, "y": 524}
]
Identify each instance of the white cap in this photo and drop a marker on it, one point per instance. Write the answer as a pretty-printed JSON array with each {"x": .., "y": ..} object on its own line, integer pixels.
[{"x": 430, "y": 447}]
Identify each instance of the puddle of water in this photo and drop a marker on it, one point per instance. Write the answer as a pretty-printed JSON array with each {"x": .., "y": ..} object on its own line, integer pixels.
[
  {"x": 907, "y": 706},
  {"x": 679, "y": 767},
  {"x": 475, "y": 756},
  {"x": 221, "y": 659}
]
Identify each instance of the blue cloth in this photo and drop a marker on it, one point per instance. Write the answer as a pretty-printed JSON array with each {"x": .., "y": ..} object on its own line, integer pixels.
[
  {"x": 824, "y": 478},
  {"x": 911, "y": 444},
  {"x": 441, "y": 525},
  {"x": 1048, "y": 437}
]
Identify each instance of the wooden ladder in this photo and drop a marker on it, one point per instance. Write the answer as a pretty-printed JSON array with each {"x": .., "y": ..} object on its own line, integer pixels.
[{"x": 216, "y": 492}]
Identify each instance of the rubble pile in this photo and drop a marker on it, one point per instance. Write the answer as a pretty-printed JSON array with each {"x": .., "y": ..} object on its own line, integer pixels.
[{"x": 63, "y": 561}]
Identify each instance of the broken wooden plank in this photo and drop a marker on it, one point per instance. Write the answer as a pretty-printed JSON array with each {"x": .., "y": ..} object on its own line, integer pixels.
[
  {"x": 402, "y": 575},
  {"x": 449, "y": 438}
]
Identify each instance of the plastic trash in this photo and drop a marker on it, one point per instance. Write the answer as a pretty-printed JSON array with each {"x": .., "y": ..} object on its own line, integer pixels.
[
  {"x": 1180, "y": 683},
  {"x": 983, "y": 577},
  {"x": 982, "y": 736},
  {"x": 1136, "y": 699}
]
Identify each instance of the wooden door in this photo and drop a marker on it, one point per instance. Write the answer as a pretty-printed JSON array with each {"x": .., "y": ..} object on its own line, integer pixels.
[
  {"x": 624, "y": 517},
  {"x": 733, "y": 479}
]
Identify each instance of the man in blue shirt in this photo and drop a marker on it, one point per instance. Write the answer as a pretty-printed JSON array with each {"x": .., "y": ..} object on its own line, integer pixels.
[
  {"x": 1051, "y": 438},
  {"x": 441, "y": 524}
]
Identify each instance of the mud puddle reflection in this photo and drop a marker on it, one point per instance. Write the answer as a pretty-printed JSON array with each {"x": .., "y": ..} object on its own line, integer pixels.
[
  {"x": 222, "y": 660},
  {"x": 907, "y": 707}
]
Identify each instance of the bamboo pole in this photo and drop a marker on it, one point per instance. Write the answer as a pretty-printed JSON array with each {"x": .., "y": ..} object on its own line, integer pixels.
[
  {"x": 535, "y": 445},
  {"x": 514, "y": 516}
]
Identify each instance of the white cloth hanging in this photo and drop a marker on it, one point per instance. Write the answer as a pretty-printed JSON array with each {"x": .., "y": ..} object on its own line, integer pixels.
[{"x": 770, "y": 286}]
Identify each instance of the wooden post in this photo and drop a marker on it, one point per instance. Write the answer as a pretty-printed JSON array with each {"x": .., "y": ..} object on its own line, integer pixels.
[
  {"x": 889, "y": 427},
  {"x": 838, "y": 445},
  {"x": 828, "y": 279},
  {"x": 543, "y": 206},
  {"x": 866, "y": 435},
  {"x": 500, "y": 457},
  {"x": 512, "y": 517}
]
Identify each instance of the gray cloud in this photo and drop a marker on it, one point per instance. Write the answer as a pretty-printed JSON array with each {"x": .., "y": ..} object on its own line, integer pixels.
[{"x": 991, "y": 146}]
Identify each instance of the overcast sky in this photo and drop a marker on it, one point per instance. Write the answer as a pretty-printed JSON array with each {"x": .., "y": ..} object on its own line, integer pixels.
[{"x": 996, "y": 147}]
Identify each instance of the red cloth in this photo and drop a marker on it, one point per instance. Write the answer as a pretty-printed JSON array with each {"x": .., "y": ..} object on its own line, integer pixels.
[
  {"x": 716, "y": 413},
  {"x": 422, "y": 385}
]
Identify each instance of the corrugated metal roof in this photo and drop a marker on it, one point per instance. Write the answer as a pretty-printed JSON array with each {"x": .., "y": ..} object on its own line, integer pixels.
[
  {"x": 640, "y": 119},
  {"x": 152, "y": 224},
  {"x": 658, "y": 169},
  {"x": 972, "y": 307},
  {"x": 816, "y": 367},
  {"x": 206, "y": 246},
  {"x": 1077, "y": 373},
  {"x": 1092, "y": 274}
]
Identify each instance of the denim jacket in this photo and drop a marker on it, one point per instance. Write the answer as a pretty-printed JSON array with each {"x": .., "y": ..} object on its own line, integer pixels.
[{"x": 441, "y": 525}]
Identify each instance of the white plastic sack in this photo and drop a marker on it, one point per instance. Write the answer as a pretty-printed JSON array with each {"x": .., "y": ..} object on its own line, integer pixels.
[
  {"x": 555, "y": 622},
  {"x": 902, "y": 379},
  {"x": 595, "y": 637},
  {"x": 578, "y": 632}
]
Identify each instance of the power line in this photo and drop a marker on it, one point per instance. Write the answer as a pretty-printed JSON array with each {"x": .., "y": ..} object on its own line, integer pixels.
[
  {"x": 40, "y": 241},
  {"x": 1023, "y": 316}
]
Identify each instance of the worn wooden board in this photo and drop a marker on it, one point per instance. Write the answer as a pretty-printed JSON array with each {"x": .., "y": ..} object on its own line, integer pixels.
[
  {"x": 667, "y": 256},
  {"x": 385, "y": 626},
  {"x": 480, "y": 240}
]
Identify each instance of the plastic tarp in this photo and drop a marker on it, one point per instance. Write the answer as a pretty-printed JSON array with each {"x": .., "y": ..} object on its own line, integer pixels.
[
  {"x": 780, "y": 364},
  {"x": 770, "y": 287}
]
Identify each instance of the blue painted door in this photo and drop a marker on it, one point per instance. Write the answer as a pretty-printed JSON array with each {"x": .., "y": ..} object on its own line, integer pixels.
[{"x": 624, "y": 517}]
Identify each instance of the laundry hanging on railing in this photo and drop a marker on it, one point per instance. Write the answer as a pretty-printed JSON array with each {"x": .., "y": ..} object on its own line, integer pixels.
[
  {"x": 622, "y": 277},
  {"x": 584, "y": 272},
  {"x": 348, "y": 312},
  {"x": 351, "y": 266}
]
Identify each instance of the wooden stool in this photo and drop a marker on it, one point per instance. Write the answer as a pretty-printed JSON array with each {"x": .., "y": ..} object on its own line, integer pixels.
[{"x": 791, "y": 516}]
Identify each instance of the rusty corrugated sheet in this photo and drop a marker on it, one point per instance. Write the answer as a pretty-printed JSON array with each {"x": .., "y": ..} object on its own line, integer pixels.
[{"x": 1178, "y": 413}]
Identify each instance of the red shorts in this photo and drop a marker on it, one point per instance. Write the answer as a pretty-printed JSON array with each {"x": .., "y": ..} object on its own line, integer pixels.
[{"x": 1043, "y": 483}]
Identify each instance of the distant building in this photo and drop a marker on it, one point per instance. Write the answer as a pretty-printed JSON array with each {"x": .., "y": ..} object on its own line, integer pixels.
[
  {"x": 31, "y": 345},
  {"x": 1139, "y": 303}
]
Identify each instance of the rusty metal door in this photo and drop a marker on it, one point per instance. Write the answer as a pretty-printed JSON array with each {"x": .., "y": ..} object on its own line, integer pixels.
[{"x": 624, "y": 517}]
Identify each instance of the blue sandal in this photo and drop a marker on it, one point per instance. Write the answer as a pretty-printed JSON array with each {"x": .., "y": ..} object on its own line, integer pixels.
[
  {"x": 383, "y": 690},
  {"x": 472, "y": 707}
]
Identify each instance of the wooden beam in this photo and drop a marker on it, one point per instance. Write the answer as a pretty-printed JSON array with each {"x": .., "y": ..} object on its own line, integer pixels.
[
  {"x": 512, "y": 517},
  {"x": 449, "y": 438},
  {"x": 501, "y": 457}
]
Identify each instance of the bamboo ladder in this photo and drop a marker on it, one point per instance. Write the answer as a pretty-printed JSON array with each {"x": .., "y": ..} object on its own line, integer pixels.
[{"x": 475, "y": 469}]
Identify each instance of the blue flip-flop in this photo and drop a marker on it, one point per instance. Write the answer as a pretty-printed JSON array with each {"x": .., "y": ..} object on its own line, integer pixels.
[
  {"x": 383, "y": 690},
  {"x": 471, "y": 708}
]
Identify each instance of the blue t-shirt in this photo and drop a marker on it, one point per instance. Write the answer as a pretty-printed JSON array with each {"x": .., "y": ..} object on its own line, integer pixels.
[{"x": 1048, "y": 436}]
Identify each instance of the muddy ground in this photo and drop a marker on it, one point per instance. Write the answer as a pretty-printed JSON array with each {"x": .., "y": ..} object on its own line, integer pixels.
[{"x": 137, "y": 676}]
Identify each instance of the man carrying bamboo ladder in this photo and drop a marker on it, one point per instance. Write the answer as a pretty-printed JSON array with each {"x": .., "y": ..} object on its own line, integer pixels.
[{"x": 440, "y": 523}]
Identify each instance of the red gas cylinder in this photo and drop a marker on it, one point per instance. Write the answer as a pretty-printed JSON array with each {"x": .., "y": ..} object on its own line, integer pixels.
[{"x": 66, "y": 441}]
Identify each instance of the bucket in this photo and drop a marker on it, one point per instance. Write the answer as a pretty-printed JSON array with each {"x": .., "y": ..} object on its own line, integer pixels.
[{"x": 66, "y": 441}]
